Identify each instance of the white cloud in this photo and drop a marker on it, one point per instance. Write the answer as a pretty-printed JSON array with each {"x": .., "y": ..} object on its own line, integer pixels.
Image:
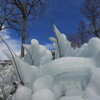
[
  {"x": 49, "y": 46},
  {"x": 12, "y": 43}
]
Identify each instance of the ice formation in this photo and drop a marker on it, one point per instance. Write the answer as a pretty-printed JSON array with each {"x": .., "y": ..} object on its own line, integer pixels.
[
  {"x": 23, "y": 93},
  {"x": 74, "y": 76},
  {"x": 62, "y": 45},
  {"x": 44, "y": 94},
  {"x": 93, "y": 88},
  {"x": 37, "y": 54},
  {"x": 89, "y": 50},
  {"x": 25, "y": 72},
  {"x": 43, "y": 82}
]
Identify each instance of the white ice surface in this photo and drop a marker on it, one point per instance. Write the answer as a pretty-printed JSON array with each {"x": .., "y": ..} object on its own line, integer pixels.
[
  {"x": 93, "y": 88},
  {"x": 23, "y": 93},
  {"x": 62, "y": 45},
  {"x": 44, "y": 94},
  {"x": 37, "y": 54},
  {"x": 43, "y": 82}
]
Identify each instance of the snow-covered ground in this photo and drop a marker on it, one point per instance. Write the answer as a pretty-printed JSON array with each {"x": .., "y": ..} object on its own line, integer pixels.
[{"x": 72, "y": 75}]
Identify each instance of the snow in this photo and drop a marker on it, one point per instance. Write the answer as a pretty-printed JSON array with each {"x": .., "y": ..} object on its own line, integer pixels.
[
  {"x": 43, "y": 82},
  {"x": 37, "y": 54},
  {"x": 23, "y": 93},
  {"x": 44, "y": 94}
]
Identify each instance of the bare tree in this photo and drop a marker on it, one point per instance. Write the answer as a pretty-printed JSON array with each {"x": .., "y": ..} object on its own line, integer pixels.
[
  {"x": 80, "y": 37},
  {"x": 5, "y": 15},
  {"x": 74, "y": 39},
  {"x": 24, "y": 12},
  {"x": 91, "y": 10},
  {"x": 82, "y": 32}
]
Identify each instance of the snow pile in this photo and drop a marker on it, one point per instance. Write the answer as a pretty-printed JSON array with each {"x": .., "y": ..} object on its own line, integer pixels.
[
  {"x": 62, "y": 45},
  {"x": 37, "y": 54}
]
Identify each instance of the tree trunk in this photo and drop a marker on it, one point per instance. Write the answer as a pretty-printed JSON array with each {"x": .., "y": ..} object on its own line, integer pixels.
[{"x": 23, "y": 36}]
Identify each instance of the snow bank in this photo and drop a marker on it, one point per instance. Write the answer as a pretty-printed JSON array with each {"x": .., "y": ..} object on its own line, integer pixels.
[
  {"x": 43, "y": 82},
  {"x": 44, "y": 94},
  {"x": 37, "y": 54},
  {"x": 93, "y": 88},
  {"x": 23, "y": 93}
]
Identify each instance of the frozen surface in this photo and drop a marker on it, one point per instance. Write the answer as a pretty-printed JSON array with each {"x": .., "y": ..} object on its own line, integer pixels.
[
  {"x": 73, "y": 92},
  {"x": 93, "y": 88},
  {"x": 72, "y": 98},
  {"x": 23, "y": 93},
  {"x": 37, "y": 54},
  {"x": 43, "y": 82},
  {"x": 44, "y": 94},
  {"x": 90, "y": 49},
  {"x": 24, "y": 71},
  {"x": 57, "y": 91},
  {"x": 62, "y": 45}
]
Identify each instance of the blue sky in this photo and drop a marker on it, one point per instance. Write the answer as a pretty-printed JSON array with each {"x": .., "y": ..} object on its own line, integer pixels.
[{"x": 65, "y": 14}]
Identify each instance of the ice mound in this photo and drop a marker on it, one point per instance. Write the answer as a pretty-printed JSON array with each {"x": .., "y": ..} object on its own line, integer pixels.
[
  {"x": 22, "y": 93},
  {"x": 90, "y": 49},
  {"x": 75, "y": 72},
  {"x": 44, "y": 94},
  {"x": 93, "y": 88},
  {"x": 37, "y": 54},
  {"x": 57, "y": 91},
  {"x": 43, "y": 82},
  {"x": 62, "y": 45}
]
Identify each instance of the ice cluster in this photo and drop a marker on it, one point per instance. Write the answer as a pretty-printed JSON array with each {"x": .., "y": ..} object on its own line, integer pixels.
[
  {"x": 36, "y": 54},
  {"x": 72, "y": 75}
]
